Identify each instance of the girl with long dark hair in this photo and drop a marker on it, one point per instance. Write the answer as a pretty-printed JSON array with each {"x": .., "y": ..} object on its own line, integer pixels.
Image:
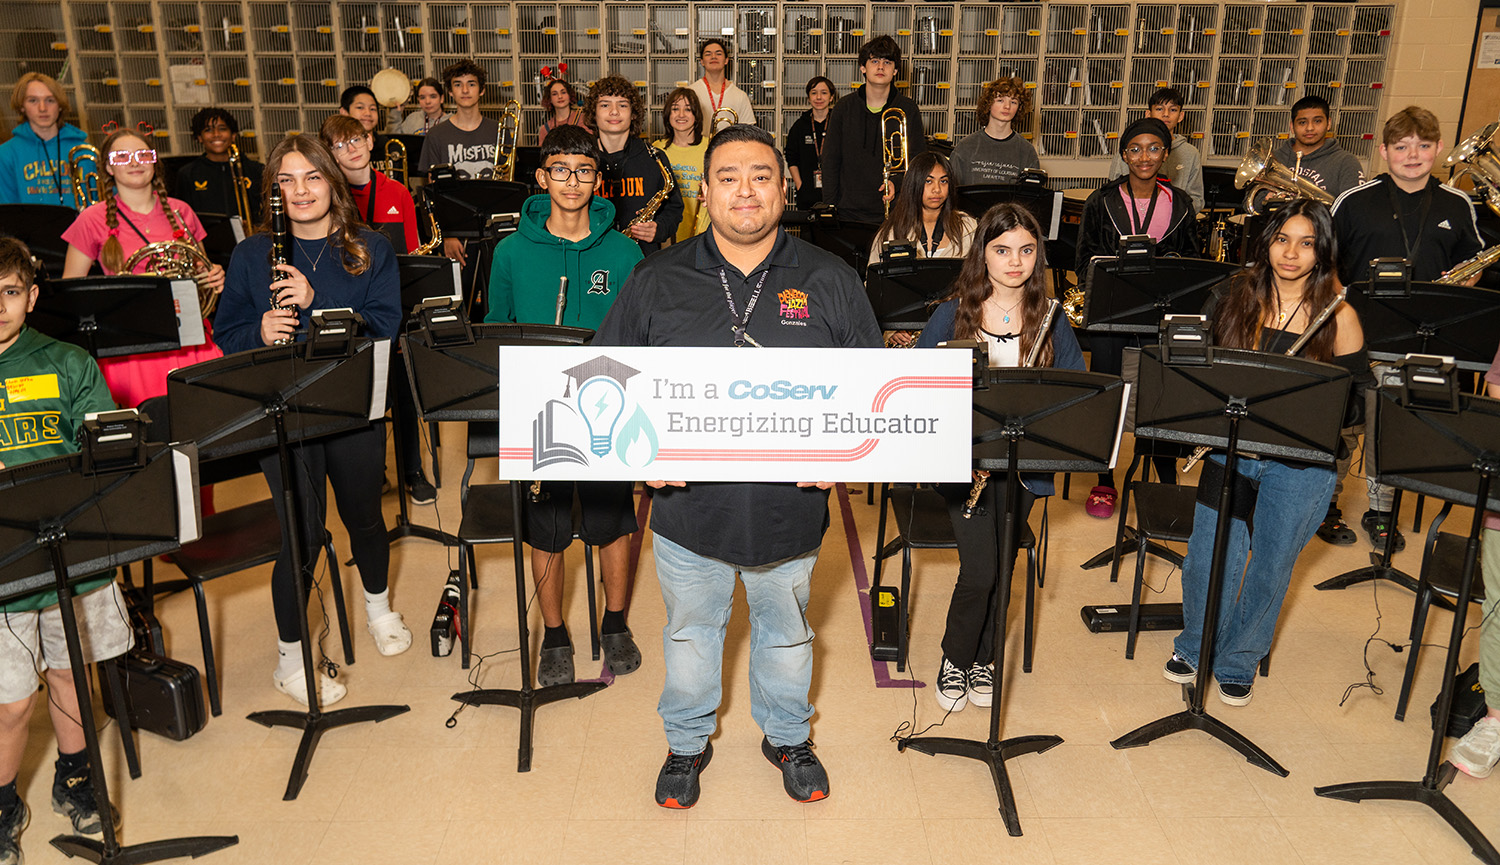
[
  {"x": 924, "y": 214},
  {"x": 1266, "y": 307},
  {"x": 1001, "y": 298},
  {"x": 334, "y": 262}
]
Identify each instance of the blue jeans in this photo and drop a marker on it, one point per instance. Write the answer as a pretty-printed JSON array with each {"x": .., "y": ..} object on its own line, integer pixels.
[
  {"x": 699, "y": 593},
  {"x": 1288, "y": 509}
]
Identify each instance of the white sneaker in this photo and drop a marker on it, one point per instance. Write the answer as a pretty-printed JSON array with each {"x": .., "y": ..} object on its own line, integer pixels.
[
  {"x": 392, "y": 637},
  {"x": 952, "y": 689},
  {"x": 981, "y": 685},
  {"x": 1478, "y": 751},
  {"x": 295, "y": 686}
]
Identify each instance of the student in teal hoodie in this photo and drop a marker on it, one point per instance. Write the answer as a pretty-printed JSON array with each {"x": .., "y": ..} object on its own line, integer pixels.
[
  {"x": 569, "y": 232},
  {"x": 33, "y": 163},
  {"x": 46, "y": 388}
]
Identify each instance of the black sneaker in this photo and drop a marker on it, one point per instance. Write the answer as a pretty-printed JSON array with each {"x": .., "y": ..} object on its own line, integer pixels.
[
  {"x": 1179, "y": 671},
  {"x": 12, "y": 821},
  {"x": 73, "y": 797},
  {"x": 1234, "y": 695},
  {"x": 1377, "y": 524},
  {"x": 801, "y": 773},
  {"x": 677, "y": 784},
  {"x": 952, "y": 691},
  {"x": 1334, "y": 530},
  {"x": 421, "y": 492}
]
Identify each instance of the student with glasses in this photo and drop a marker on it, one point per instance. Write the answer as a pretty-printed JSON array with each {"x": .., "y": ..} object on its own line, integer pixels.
[
  {"x": 385, "y": 204},
  {"x": 1140, "y": 203},
  {"x": 569, "y": 233},
  {"x": 133, "y": 211}
]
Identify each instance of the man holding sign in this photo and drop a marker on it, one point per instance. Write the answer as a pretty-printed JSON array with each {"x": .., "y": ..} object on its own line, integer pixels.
[{"x": 744, "y": 282}]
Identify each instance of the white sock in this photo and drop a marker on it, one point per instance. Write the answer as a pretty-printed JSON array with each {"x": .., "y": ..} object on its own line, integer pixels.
[
  {"x": 290, "y": 659},
  {"x": 377, "y": 605}
]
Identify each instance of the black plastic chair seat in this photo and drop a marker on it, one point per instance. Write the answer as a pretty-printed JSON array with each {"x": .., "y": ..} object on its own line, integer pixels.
[
  {"x": 1164, "y": 512},
  {"x": 1444, "y": 570},
  {"x": 922, "y": 523},
  {"x": 487, "y": 515},
  {"x": 233, "y": 541}
]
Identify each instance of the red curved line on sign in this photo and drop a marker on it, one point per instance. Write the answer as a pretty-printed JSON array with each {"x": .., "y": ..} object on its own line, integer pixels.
[
  {"x": 850, "y": 455},
  {"x": 917, "y": 381}
]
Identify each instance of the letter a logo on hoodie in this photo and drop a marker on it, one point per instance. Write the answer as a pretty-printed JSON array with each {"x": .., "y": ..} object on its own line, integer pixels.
[{"x": 599, "y": 282}]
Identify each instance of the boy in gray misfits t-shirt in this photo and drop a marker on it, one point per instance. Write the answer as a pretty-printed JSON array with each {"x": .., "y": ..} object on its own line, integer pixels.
[
  {"x": 472, "y": 154},
  {"x": 996, "y": 153}
]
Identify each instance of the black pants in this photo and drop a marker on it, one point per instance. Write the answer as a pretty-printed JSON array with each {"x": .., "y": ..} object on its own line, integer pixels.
[
  {"x": 1106, "y": 354},
  {"x": 351, "y": 463},
  {"x": 970, "y": 633}
]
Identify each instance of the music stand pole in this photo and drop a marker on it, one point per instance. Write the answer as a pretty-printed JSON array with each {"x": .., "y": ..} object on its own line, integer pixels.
[{"x": 527, "y": 699}]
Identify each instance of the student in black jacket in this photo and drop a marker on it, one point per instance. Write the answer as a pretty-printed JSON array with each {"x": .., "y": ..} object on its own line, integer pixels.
[
  {"x": 853, "y": 181},
  {"x": 205, "y": 184},
  {"x": 1141, "y": 202},
  {"x": 633, "y": 171}
]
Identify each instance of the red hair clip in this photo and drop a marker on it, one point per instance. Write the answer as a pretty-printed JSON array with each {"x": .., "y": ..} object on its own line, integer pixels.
[
  {"x": 145, "y": 129},
  {"x": 110, "y": 128}
]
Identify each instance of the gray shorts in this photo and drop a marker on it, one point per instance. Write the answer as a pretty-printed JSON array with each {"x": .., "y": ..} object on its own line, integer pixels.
[{"x": 32, "y": 640}]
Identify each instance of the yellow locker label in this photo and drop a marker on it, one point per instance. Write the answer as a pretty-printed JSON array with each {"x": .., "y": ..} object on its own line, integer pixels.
[
  {"x": 592, "y": 31},
  {"x": 160, "y": 133},
  {"x": 1244, "y": 133},
  {"x": 1335, "y": 84},
  {"x": 768, "y": 85},
  {"x": 325, "y": 29},
  {"x": 193, "y": 28},
  {"x": 371, "y": 31},
  {"x": 111, "y": 82},
  {"x": 992, "y": 32},
  {"x": 1070, "y": 134},
  {"x": 1160, "y": 83},
  {"x": 1201, "y": 85},
  {"x": 242, "y": 82},
  {"x": 639, "y": 83},
  {"x": 281, "y": 28},
  {"x": 1030, "y": 85},
  {"x": 247, "y": 133},
  {"x": 507, "y": 83},
  {"x": 1247, "y": 83},
  {"x": 1343, "y": 32},
  {"x": 1197, "y": 135},
  {"x": 683, "y": 83},
  {"x": 203, "y": 82},
  {"x": 1295, "y": 31},
  {"x": 329, "y": 82},
  {"x": 1075, "y": 83},
  {"x": 858, "y": 32},
  {"x": 1121, "y": 31},
  {"x": 1254, "y": 31},
  {"x": 59, "y": 46},
  {"x": 103, "y": 28},
  {"x": 638, "y": 31},
  {"x": 503, "y": 31},
  {"x": 1282, "y": 136},
  {"x": 944, "y": 85},
  {"x": 417, "y": 31},
  {"x": 945, "y": 32},
  {"x": 1033, "y": 32},
  {"x": 1169, "y": 31},
  {"x": 153, "y": 82},
  {"x": 460, "y": 31},
  {"x": 811, "y": 31},
  {"x": 1291, "y": 85},
  {"x": 145, "y": 28},
  {"x": 549, "y": 31},
  {"x": 1116, "y": 85},
  {"x": 1080, "y": 31},
  {"x": 289, "y": 81},
  {"x": 236, "y": 28},
  {"x": 903, "y": 32},
  {"x": 941, "y": 136},
  {"x": 1210, "y": 31}
]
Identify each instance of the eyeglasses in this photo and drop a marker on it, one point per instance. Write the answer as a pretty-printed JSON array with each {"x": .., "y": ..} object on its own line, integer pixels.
[
  {"x": 352, "y": 144},
  {"x": 561, "y": 173},
  {"x": 146, "y": 156},
  {"x": 1137, "y": 150}
]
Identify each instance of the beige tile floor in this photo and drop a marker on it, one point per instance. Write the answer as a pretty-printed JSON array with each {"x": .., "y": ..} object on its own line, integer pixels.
[{"x": 414, "y": 790}]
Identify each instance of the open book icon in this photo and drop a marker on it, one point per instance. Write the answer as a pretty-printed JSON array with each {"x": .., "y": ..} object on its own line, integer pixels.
[{"x": 555, "y": 426}]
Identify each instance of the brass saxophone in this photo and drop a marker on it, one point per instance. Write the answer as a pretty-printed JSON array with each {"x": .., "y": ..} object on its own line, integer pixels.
[
  {"x": 435, "y": 242},
  {"x": 279, "y": 233},
  {"x": 668, "y": 183},
  {"x": 1470, "y": 267}
]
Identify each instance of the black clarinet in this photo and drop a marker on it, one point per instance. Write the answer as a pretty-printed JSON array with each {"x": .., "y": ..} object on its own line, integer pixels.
[{"x": 279, "y": 235}]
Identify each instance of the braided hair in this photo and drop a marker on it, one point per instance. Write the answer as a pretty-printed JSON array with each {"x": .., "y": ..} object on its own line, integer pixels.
[{"x": 112, "y": 255}]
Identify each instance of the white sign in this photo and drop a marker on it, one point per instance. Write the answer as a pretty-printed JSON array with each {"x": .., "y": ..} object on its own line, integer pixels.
[
  {"x": 1489, "y": 52},
  {"x": 734, "y": 414}
]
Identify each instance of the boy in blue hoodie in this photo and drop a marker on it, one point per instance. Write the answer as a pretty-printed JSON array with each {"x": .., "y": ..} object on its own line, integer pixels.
[
  {"x": 33, "y": 163},
  {"x": 569, "y": 232},
  {"x": 46, "y": 387}
]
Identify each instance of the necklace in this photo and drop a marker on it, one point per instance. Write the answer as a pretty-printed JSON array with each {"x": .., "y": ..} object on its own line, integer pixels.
[
  {"x": 306, "y": 255},
  {"x": 1004, "y": 312},
  {"x": 1281, "y": 314}
]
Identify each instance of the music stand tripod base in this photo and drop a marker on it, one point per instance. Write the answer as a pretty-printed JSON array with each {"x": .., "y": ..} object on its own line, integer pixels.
[
  {"x": 993, "y": 755},
  {"x": 528, "y": 700},
  {"x": 1416, "y": 791},
  {"x": 1129, "y": 543}
]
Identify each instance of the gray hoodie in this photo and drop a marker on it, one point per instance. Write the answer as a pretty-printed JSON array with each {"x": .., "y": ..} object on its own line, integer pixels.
[
  {"x": 1331, "y": 168},
  {"x": 1184, "y": 167}
]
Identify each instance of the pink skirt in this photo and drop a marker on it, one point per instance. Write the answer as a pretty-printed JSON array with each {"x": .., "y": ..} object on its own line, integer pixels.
[{"x": 135, "y": 378}]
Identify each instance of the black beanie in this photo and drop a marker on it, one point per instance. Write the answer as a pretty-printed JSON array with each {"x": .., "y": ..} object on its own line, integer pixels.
[{"x": 1146, "y": 126}]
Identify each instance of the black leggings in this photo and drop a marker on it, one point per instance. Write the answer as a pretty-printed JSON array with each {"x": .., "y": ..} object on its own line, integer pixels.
[
  {"x": 970, "y": 632},
  {"x": 1106, "y": 354},
  {"x": 351, "y": 463}
]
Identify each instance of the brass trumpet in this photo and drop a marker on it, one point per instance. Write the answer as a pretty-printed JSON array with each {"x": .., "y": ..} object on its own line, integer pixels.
[
  {"x": 85, "y": 183},
  {"x": 892, "y": 149},
  {"x": 713, "y": 124},
  {"x": 506, "y": 137},
  {"x": 241, "y": 184}
]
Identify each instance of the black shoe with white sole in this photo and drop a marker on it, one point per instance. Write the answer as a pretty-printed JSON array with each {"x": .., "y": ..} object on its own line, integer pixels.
[{"x": 1179, "y": 671}]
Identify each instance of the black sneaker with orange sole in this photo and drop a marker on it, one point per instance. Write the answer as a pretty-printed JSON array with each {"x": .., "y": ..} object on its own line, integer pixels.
[
  {"x": 801, "y": 773},
  {"x": 677, "y": 784}
]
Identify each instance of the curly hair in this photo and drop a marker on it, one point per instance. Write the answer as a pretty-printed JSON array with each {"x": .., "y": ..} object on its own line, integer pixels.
[
  {"x": 1015, "y": 88},
  {"x": 355, "y": 255},
  {"x": 973, "y": 286},
  {"x": 18, "y": 93},
  {"x": 465, "y": 66},
  {"x": 615, "y": 85},
  {"x": 112, "y": 255},
  {"x": 206, "y": 116},
  {"x": 693, "y": 105}
]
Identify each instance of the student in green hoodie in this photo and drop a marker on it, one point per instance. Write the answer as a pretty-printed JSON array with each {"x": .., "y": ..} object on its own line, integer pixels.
[
  {"x": 569, "y": 232},
  {"x": 46, "y": 387}
]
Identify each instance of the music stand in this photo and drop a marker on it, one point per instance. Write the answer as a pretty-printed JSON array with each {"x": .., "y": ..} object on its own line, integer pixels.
[
  {"x": 904, "y": 293},
  {"x": 1042, "y": 420},
  {"x": 112, "y": 316},
  {"x": 1044, "y": 203},
  {"x": 850, "y": 241},
  {"x": 1457, "y": 321},
  {"x": 1244, "y": 402},
  {"x": 455, "y": 373},
  {"x": 69, "y": 518},
  {"x": 476, "y": 209},
  {"x": 271, "y": 397},
  {"x": 1453, "y": 455},
  {"x": 40, "y": 227},
  {"x": 1123, "y": 298}
]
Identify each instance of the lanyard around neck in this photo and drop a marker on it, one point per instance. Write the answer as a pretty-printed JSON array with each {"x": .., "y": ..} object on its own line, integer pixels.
[
  {"x": 1412, "y": 243},
  {"x": 740, "y": 336},
  {"x": 1138, "y": 225}
]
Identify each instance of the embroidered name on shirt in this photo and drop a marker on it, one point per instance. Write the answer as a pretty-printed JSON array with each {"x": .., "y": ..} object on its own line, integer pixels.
[
  {"x": 599, "y": 282},
  {"x": 794, "y": 307}
]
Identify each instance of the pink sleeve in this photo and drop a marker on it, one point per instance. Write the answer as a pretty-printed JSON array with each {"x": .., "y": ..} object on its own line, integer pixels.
[
  {"x": 189, "y": 218},
  {"x": 1493, "y": 376},
  {"x": 88, "y": 231}
]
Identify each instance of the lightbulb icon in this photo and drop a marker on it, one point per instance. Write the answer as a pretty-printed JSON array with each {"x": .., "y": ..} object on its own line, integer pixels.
[{"x": 601, "y": 400}]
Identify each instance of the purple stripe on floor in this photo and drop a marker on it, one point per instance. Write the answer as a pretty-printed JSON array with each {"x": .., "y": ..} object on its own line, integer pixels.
[
  {"x": 881, "y": 669},
  {"x": 642, "y": 512}
]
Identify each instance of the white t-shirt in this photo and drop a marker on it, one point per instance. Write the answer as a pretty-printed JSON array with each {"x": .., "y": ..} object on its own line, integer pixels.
[{"x": 733, "y": 97}]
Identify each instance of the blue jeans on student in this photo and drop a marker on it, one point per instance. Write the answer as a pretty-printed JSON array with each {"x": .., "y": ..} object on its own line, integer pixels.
[
  {"x": 1291, "y": 502},
  {"x": 699, "y": 594}
]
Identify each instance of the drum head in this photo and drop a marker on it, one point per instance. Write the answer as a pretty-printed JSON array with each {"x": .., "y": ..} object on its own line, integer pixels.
[{"x": 391, "y": 87}]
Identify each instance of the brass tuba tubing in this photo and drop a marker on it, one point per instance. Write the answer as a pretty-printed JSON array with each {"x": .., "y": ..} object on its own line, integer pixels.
[
  {"x": 1259, "y": 172},
  {"x": 85, "y": 184}
]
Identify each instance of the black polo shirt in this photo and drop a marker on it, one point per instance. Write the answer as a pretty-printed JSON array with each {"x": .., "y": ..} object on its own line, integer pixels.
[
  {"x": 812, "y": 299},
  {"x": 1367, "y": 227}
]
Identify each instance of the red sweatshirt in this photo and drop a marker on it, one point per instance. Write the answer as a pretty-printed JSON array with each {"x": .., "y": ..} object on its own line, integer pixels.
[{"x": 392, "y": 204}]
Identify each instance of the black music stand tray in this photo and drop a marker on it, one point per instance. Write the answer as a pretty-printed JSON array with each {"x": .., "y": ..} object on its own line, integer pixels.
[
  {"x": 110, "y": 316},
  {"x": 1424, "y": 318},
  {"x": 270, "y": 397},
  {"x": 1044, "y": 420},
  {"x": 100, "y": 518},
  {"x": 1243, "y": 402},
  {"x": 1453, "y": 456},
  {"x": 476, "y": 209},
  {"x": 1043, "y": 202},
  {"x": 459, "y": 382},
  {"x": 40, "y": 227},
  {"x": 848, "y": 240},
  {"x": 1121, "y": 298},
  {"x": 904, "y": 293}
]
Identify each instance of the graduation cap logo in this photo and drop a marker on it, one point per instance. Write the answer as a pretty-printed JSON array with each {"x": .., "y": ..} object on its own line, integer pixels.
[{"x": 601, "y": 398}]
